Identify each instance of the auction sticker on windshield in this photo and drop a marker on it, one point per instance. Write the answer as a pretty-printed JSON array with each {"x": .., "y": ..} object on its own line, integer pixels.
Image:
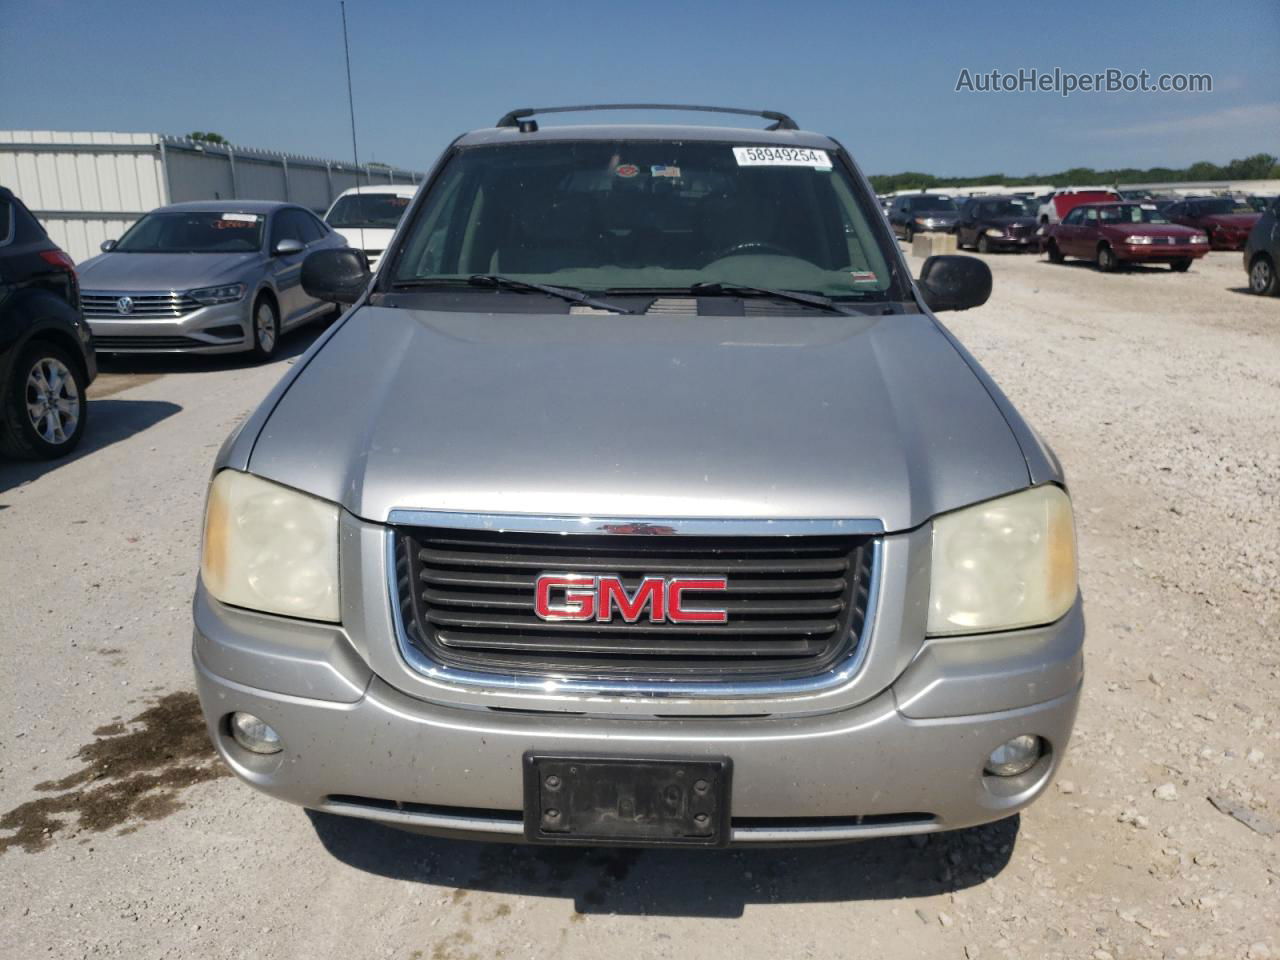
[{"x": 782, "y": 157}]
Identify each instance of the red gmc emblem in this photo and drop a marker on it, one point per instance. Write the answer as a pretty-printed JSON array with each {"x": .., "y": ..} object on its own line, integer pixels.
[{"x": 577, "y": 597}]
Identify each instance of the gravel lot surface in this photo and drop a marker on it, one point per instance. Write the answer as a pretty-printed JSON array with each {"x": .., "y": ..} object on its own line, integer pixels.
[{"x": 120, "y": 836}]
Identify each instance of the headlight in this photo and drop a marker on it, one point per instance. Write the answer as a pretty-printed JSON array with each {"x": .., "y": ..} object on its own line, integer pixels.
[
  {"x": 228, "y": 293},
  {"x": 1137, "y": 240},
  {"x": 270, "y": 548},
  {"x": 993, "y": 232},
  {"x": 922, "y": 221},
  {"x": 1199, "y": 238},
  {"x": 1003, "y": 564}
]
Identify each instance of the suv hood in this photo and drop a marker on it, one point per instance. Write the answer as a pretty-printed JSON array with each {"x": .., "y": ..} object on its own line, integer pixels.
[
  {"x": 640, "y": 417},
  {"x": 132, "y": 272}
]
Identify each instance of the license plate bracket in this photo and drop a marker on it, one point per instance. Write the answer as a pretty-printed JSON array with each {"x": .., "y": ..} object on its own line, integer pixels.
[{"x": 626, "y": 801}]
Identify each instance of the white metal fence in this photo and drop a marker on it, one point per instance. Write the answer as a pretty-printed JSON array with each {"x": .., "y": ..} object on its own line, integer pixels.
[{"x": 89, "y": 187}]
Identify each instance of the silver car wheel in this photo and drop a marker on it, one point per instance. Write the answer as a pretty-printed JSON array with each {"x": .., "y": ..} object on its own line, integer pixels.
[
  {"x": 53, "y": 402},
  {"x": 1260, "y": 276},
  {"x": 264, "y": 323}
]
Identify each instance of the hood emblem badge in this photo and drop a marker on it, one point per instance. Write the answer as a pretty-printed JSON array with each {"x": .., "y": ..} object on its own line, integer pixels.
[
  {"x": 584, "y": 596},
  {"x": 124, "y": 306}
]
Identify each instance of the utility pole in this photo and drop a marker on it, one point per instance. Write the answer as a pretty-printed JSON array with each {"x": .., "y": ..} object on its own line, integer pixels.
[{"x": 351, "y": 103}]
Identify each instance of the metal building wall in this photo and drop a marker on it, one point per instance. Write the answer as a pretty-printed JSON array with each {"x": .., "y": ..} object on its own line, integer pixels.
[
  {"x": 89, "y": 187},
  {"x": 84, "y": 187}
]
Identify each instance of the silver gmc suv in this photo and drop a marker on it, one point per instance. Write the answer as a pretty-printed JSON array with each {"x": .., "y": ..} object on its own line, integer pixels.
[{"x": 639, "y": 498}]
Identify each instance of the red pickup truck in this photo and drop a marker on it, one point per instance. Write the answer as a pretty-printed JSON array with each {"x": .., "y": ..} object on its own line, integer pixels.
[
  {"x": 1114, "y": 233},
  {"x": 1064, "y": 201}
]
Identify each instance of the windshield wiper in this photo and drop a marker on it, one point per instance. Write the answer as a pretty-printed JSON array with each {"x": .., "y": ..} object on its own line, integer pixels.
[
  {"x": 572, "y": 294},
  {"x": 711, "y": 288}
]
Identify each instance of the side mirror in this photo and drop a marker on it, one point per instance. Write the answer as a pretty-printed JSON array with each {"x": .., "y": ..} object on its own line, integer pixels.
[
  {"x": 336, "y": 276},
  {"x": 954, "y": 283},
  {"x": 288, "y": 247},
  {"x": 107, "y": 246}
]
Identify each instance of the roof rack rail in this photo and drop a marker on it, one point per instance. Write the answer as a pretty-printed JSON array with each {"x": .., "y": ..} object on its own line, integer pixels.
[{"x": 513, "y": 119}]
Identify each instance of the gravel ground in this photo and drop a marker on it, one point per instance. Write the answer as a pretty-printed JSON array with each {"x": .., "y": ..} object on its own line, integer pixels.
[{"x": 121, "y": 837}]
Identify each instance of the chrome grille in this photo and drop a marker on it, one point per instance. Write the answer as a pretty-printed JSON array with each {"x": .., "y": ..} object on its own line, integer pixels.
[
  {"x": 795, "y": 605},
  {"x": 145, "y": 306}
]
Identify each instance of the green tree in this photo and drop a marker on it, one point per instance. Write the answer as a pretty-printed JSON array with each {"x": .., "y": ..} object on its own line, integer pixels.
[
  {"x": 1204, "y": 171},
  {"x": 1256, "y": 167},
  {"x": 206, "y": 136}
]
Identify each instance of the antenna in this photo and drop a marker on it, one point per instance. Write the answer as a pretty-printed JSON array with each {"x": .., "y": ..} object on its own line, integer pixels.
[{"x": 355, "y": 153}]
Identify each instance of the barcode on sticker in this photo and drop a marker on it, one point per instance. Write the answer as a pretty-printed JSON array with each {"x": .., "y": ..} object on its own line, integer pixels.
[{"x": 782, "y": 157}]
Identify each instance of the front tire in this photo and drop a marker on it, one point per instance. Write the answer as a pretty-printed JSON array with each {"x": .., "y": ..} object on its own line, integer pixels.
[
  {"x": 266, "y": 329},
  {"x": 984, "y": 245},
  {"x": 1055, "y": 255},
  {"x": 1180, "y": 266},
  {"x": 45, "y": 407},
  {"x": 1107, "y": 260},
  {"x": 908, "y": 235},
  {"x": 1262, "y": 277}
]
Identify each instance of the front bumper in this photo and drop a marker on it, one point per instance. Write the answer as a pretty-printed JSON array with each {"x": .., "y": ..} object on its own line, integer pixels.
[
  {"x": 1028, "y": 241},
  {"x": 1160, "y": 253},
  {"x": 223, "y": 328},
  {"x": 908, "y": 760}
]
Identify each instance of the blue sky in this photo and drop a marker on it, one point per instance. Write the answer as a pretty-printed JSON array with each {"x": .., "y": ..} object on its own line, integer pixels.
[{"x": 882, "y": 79}]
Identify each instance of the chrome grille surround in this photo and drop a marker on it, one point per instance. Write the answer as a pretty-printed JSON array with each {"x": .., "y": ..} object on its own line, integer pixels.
[
  {"x": 836, "y": 675},
  {"x": 146, "y": 305}
]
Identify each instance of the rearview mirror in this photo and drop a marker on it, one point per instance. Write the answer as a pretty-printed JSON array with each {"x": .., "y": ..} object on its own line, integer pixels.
[
  {"x": 288, "y": 247},
  {"x": 954, "y": 282},
  {"x": 107, "y": 246},
  {"x": 336, "y": 276}
]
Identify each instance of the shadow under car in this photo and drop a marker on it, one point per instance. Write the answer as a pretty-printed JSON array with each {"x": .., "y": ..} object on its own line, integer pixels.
[{"x": 665, "y": 882}]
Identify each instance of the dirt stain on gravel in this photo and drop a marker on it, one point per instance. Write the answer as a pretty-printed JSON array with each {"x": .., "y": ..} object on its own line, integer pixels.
[{"x": 128, "y": 775}]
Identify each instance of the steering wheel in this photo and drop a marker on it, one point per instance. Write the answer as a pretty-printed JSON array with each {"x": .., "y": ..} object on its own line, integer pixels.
[{"x": 751, "y": 246}]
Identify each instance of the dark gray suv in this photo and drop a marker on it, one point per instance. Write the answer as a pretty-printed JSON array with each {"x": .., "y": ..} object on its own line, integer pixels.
[
  {"x": 1262, "y": 253},
  {"x": 639, "y": 498}
]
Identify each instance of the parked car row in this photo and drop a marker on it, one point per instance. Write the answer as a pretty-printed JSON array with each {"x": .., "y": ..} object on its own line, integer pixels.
[
  {"x": 1177, "y": 233},
  {"x": 1110, "y": 228},
  {"x": 204, "y": 277}
]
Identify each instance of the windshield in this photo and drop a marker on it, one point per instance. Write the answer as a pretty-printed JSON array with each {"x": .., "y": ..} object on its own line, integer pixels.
[
  {"x": 382, "y": 210},
  {"x": 1219, "y": 205},
  {"x": 648, "y": 215},
  {"x": 1132, "y": 213},
  {"x": 921, "y": 204},
  {"x": 1004, "y": 208},
  {"x": 193, "y": 232}
]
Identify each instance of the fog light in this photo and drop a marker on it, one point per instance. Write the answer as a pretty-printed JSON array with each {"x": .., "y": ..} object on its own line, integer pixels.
[
  {"x": 254, "y": 735},
  {"x": 1015, "y": 756}
]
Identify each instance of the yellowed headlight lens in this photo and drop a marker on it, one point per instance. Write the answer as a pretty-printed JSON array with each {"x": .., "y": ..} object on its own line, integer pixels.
[
  {"x": 1003, "y": 564},
  {"x": 270, "y": 548}
]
